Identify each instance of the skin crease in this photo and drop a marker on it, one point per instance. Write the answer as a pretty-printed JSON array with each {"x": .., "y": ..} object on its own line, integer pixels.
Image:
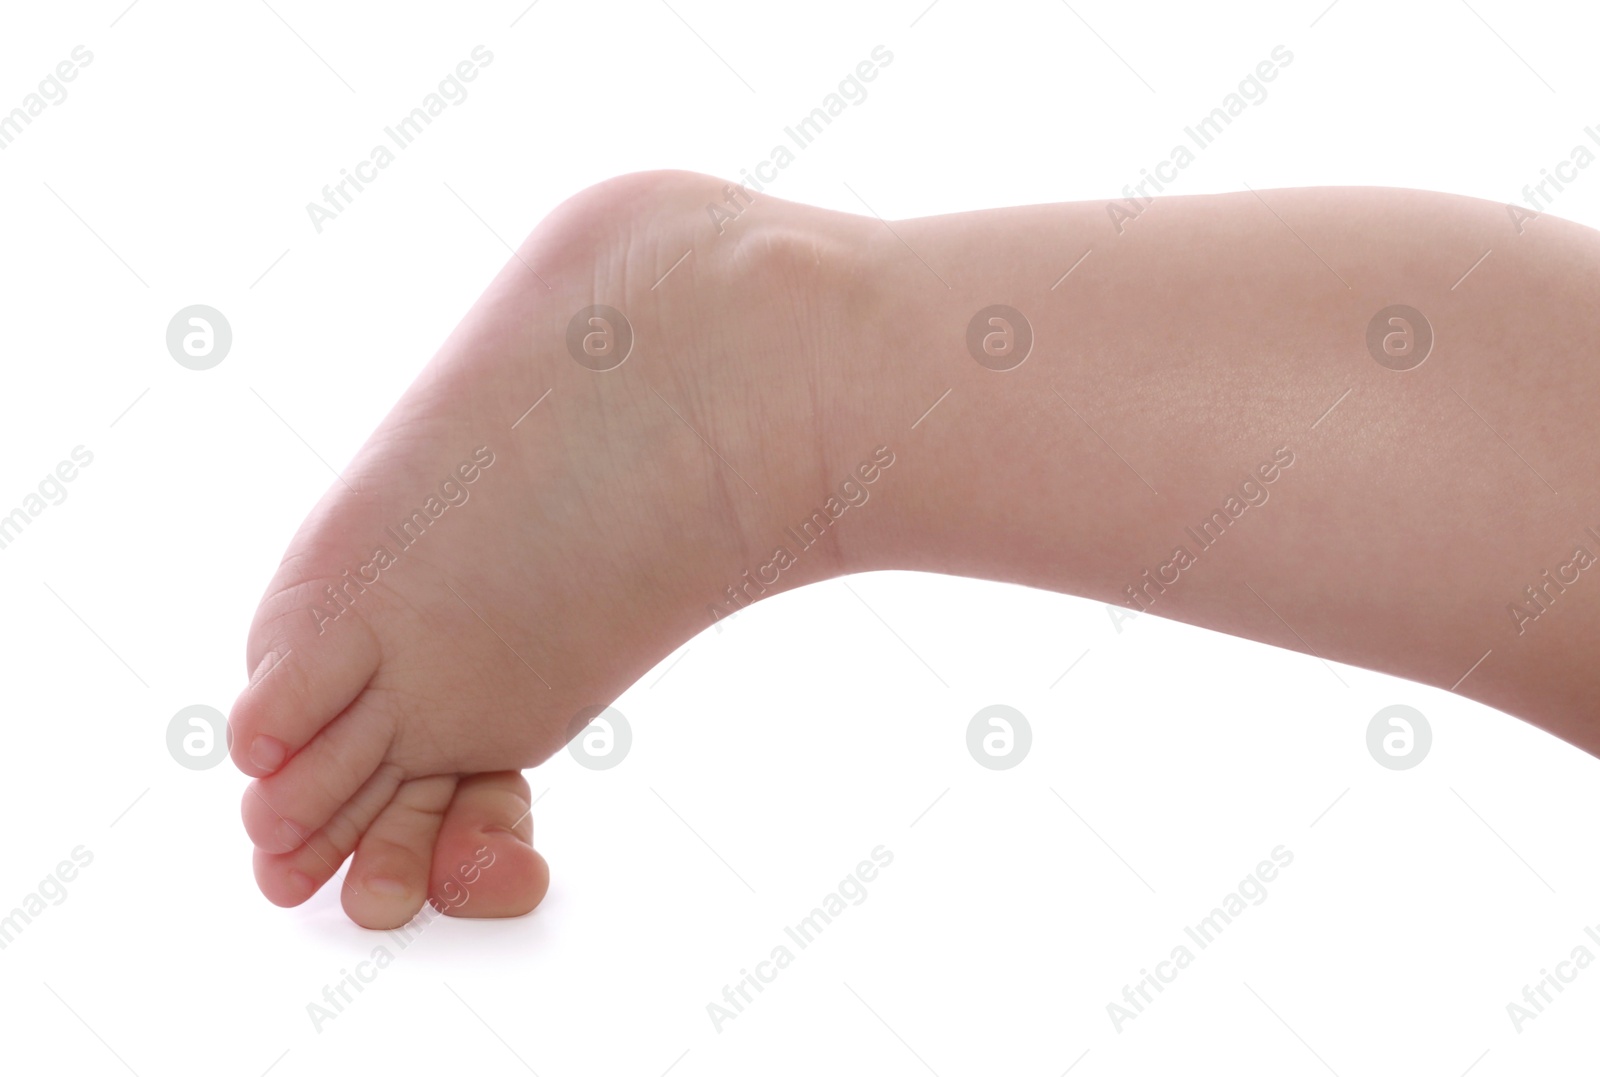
[{"x": 1214, "y": 335}]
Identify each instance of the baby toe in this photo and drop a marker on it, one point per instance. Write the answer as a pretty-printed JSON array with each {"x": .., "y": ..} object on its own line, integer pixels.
[
  {"x": 388, "y": 879},
  {"x": 484, "y": 863},
  {"x": 290, "y": 878},
  {"x": 301, "y": 679},
  {"x": 283, "y": 809}
]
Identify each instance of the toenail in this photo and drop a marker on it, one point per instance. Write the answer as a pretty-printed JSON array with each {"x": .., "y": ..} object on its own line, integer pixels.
[
  {"x": 386, "y": 887},
  {"x": 290, "y": 836},
  {"x": 268, "y": 753}
]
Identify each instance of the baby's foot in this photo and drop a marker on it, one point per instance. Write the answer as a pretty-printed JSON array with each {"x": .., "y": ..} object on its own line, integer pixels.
[{"x": 527, "y": 533}]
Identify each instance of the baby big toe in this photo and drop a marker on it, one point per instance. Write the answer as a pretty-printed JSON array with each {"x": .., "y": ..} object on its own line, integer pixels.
[{"x": 484, "y": 864}]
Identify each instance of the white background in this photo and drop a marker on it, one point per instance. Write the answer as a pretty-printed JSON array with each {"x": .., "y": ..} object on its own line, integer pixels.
[{"x": 1165, "y": 765}]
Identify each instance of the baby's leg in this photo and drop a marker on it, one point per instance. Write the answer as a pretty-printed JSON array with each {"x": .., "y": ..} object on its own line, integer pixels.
[
  {"x": 632, "y": 431},
  {"x": 1230, "y": 417}
]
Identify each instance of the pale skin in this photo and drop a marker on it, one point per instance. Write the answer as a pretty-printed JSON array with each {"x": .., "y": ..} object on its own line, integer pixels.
[{"x": 1208, "y": 341}]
